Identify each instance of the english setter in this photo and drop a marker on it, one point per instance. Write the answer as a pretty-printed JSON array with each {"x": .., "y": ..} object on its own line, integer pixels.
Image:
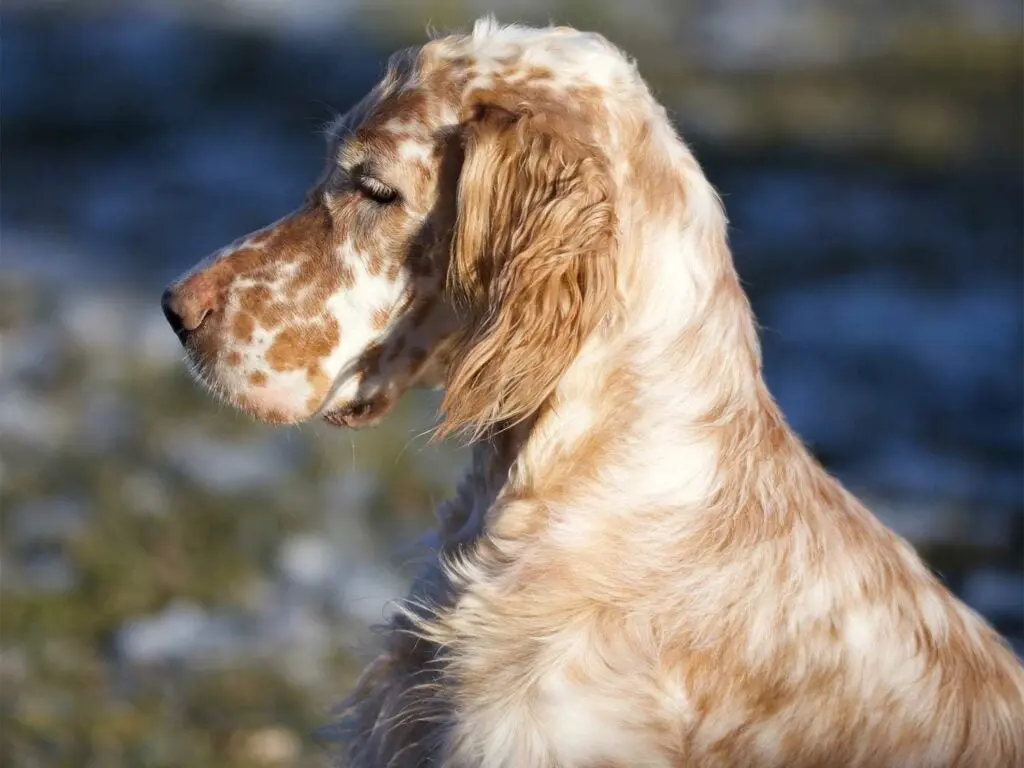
[{"x": 644, "y": 566}]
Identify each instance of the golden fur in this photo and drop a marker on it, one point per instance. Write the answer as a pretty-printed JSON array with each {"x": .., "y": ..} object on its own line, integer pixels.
[
  {"x": 644, "y": 566},
  {"x": 532, "y": 263}
]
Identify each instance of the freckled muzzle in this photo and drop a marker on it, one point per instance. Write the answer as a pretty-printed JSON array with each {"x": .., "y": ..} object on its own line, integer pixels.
[
  {"x": 255, "y": 323},
  {"x": 277, "y": 326}
]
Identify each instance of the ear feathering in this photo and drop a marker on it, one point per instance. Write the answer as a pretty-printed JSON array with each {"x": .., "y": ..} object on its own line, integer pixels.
[{"x": 532, "y": 264}]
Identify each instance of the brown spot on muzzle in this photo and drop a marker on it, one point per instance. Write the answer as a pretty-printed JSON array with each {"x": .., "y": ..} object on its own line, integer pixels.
[
  {"x": 243, "y": 326},
  {"x": 258, "y": 302},
  {"x": 303, "y": 346}
]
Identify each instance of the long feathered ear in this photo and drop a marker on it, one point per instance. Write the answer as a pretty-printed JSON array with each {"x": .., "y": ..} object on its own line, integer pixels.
[{"x": 531, "y": 265}]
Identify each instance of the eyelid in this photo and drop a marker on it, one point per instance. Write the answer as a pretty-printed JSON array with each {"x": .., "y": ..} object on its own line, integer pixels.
[
  {"x": 373, "y": 184},
  {"x": 373, "y": 187}
]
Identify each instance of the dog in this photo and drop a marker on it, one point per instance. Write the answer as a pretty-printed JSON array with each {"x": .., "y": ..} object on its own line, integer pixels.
[{"x": 644, "y": 566}]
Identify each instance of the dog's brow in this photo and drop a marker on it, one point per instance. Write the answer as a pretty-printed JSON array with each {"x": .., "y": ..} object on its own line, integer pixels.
[{"x": 346, "y": 124}]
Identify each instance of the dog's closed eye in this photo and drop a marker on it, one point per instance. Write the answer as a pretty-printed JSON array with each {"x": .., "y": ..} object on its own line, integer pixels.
[{"x": 375, "y": 189}]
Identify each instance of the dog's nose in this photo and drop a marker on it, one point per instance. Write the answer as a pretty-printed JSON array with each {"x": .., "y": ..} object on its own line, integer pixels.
[{"x": 187, "y": 304}]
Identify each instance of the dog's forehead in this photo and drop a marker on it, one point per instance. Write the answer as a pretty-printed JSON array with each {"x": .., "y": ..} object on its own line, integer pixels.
[
  {"x": 416, "y": 96},
  {"x": 424, "y": 86},
  {"x": 428, "y": 91}
]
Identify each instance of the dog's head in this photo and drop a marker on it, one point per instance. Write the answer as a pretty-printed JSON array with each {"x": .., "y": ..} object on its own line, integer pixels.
[{"x": 462, "y": 235}]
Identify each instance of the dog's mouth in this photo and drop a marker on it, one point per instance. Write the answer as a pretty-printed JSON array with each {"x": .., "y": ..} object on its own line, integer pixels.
[{"x": 360, "y": 413}]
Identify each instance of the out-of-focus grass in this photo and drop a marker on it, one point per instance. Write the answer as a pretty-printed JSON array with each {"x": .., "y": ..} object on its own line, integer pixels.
[{"x": 141, "y": 532}]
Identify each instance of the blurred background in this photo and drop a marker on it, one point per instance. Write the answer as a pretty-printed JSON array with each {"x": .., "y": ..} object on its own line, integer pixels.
[{"x": 183, "y": 587}]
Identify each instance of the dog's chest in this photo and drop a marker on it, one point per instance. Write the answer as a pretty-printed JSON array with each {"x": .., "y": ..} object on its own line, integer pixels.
[
  {"x": 539, "y": 709},
  {"x": 560, "y": 721},
  {"x": 484, "y": 682}
]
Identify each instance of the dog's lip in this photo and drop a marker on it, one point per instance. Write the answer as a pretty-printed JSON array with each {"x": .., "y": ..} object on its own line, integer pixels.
[{"x": 359, "y": 413}]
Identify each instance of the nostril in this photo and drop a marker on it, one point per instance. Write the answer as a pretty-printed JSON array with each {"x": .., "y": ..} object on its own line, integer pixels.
[
  {"x": 187, "y": 305},
  {"x": 167, "y": 304},
  {"x": 201, "y": 315}
]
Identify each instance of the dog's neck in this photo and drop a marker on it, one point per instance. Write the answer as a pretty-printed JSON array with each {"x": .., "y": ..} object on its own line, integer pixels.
[{"x": 657, "y": 401}]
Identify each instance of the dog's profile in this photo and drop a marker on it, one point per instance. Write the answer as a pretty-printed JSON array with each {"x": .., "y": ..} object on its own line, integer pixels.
[{"x": 644, "y": 566}]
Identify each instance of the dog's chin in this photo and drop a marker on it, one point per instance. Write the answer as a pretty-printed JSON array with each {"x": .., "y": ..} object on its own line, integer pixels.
[
  {"x": 278, "y": 408},
  {"x": 359, "y": 414},
  {"x": 269, "y": 411}
]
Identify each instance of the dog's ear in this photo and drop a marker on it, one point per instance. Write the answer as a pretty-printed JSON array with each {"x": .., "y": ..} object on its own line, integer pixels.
[{"x": 531, "y": 265}]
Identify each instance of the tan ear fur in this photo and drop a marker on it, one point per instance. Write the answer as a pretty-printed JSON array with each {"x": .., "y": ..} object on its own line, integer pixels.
[{"x": 531, "y": 264}]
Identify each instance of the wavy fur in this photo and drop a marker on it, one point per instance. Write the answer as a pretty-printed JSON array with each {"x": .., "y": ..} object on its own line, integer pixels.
[{"x": 644, "y": 566}]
